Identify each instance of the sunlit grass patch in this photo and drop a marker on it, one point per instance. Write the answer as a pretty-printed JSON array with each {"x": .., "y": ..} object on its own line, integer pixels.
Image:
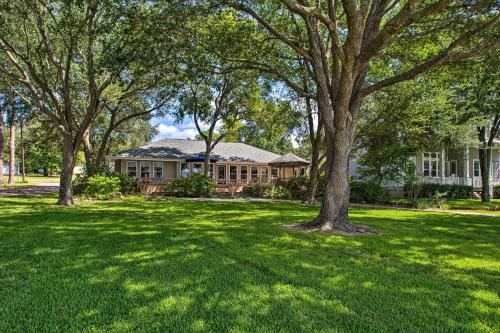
[{"x": 172, "y": 265}]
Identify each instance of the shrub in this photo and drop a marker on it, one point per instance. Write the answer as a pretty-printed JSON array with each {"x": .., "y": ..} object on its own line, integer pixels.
[
  {"x": 368, "y": 192},
  {"x": 321, "y": 186},
  {"x": 253, "y": 191},
  {"x": 102, "y": 187},
  {"x": 437, "y": 201},
  {"x": 276, "y": 192},
  {"x": 297, "y": 187},
  {"x": 128, "y": 185},
  {"x": 451, "y": 191},
  {"x": 194, "y": 185}
]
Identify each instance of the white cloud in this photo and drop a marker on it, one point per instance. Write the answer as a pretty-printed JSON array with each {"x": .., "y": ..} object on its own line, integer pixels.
[
  {"x": 174, "y": 132},
  {"x": 184, "y": 130}
]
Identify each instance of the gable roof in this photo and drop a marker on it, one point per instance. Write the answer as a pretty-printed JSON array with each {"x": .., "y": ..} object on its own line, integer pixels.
[
  {"x": 190, "y": 149},
  {"x": 289, "y": 158}
]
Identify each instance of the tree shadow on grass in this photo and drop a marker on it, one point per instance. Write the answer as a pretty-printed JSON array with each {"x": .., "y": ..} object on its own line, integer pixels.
[{"x": 178, "y": 265}]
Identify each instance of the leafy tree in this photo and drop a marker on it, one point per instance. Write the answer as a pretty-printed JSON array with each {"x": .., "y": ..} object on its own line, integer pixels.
[
  {"x": 356, "y": 48},
  {"x": 214, "y": 92},
  {"x": 477, "y": 99},
  {"x": 401, "y": 121}
]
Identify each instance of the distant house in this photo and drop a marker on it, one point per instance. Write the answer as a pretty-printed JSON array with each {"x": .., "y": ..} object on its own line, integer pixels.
[
  {"x": 233, "y": 165},
  {"x": 6, "y": 168},
  {"x": 449, "y": 166}
]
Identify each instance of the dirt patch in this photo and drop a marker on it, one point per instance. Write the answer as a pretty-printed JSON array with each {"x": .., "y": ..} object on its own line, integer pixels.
[
  {"x": 28, "y": 191},
  {"x": 353, "y": 230}
]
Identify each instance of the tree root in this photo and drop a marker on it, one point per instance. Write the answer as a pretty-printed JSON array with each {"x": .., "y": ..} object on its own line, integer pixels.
[{"x": 343, "y": 227}]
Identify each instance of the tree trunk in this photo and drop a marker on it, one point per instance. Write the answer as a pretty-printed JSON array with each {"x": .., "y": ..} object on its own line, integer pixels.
[
  {"x": 313, "y": 176},
  {"x": 12, "y": 148},
  {"x": 23, "y": 173},
  {"x": 206, "y": 158},
  {"x": 87, "y": 152},
  {"x": 66, "y": 182},
  {"x": 485, "y": 164},
  {"x": 334, "y": 210},
  {"x": 2, "y": 150}
]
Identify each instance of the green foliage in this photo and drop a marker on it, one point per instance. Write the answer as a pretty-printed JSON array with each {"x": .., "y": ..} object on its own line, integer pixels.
[
  {"x": 101, "y": 187},
  {"x": 452, "y": 191},
  {"x": 253, "y": 191},
  {"x": 368, "y": 193},
  {"x": 400, "y": 121},
  {"x": 82, "y": 184},
  {"x": 297, "y": 187},
  {"x": 194, "y": 185},
  {"x": 276, "y": 192},
  {"x": 438, "y": 200}
]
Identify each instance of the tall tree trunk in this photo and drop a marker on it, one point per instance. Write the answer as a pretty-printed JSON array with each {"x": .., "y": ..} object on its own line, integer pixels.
[
  {"x": 485, "y": 165},
  {"x": 12, "y": 148},
  {"x": 66, "y": 181},
  {"x": 2, "y": 150},
  {"x": 23, "y": 171},
  {"x": 334, "y": 212}
]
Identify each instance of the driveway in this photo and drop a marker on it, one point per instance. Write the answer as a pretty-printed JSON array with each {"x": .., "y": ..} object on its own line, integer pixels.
[{"x": 29, "y": 191}]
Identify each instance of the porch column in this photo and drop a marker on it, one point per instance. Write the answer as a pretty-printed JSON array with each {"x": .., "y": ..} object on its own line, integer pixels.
[
  {"x": 443, "y": 166},
  {"x": 466, "y": 165},
  {"x": 178, "y": 170}
]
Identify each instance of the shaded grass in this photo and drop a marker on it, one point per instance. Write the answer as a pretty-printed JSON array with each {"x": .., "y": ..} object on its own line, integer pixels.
[{"x": 182, "y": 265}]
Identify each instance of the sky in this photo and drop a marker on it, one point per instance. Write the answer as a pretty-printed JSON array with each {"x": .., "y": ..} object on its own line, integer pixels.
[{"x": 167, "y": 129}]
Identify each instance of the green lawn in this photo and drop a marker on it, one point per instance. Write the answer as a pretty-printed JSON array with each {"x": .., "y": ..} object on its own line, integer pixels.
[
  {"x": 33, "y": 180},
  {"x": 461, "y": 204},
  {"x": 184, "y": 265}
]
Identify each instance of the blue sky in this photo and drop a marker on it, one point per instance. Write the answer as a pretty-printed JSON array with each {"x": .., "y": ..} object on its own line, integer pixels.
[{"x": 167, "y": 129}]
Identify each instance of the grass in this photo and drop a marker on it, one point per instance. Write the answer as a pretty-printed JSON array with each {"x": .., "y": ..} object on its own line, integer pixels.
[
  {"x": 182, "y": 265},
  {"x": 33, "y": 180},
  {"x": 461, "y": 204}
]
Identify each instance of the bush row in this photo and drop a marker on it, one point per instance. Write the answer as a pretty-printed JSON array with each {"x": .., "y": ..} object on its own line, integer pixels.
[
  {"x": 296, "y": 189},
  {"x": 451, "y": 191},
  {"x": 195, "y": 185}
]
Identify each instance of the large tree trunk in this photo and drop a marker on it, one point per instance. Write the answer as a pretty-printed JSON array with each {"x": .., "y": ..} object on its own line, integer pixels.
[
  {"x": 2, "y": 150},
  {"x": 66, "y": 182},
  {"x": 485, "y": 164},
  {"x": 12, "y": 148},
  {"x": 334, "y": 212}
]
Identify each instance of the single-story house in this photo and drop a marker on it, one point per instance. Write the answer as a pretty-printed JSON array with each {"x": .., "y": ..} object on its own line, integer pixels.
[{"x": 233, "y": 165}]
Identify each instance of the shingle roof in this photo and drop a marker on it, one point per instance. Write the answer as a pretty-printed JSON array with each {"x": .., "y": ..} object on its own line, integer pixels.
[
  {"x": 289, "y": 158},
  {"x": 187, "y": 149}
]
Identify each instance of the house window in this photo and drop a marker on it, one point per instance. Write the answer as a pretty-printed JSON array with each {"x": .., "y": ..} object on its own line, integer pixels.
[
  {"x": 233, "y": 172},
  {"x": 145, "y": 169},
  {"x": 158, "y": 170},
  {"x": 184, "y": 170},
  {"x": 477, "y": 168},
  {"x": 196, "y": 167},
  {"x": 132, "y": 168},
  {"x": 254, "y": 172},
  {"x": 243, "y": 172},
  {"x": 265, "y": 174},
  {"x": 275, "y": 172},
  {"x": 431, "y": 165},
  {"x": 221, "y": 172},
  {"x": 302, "y": 172}
]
